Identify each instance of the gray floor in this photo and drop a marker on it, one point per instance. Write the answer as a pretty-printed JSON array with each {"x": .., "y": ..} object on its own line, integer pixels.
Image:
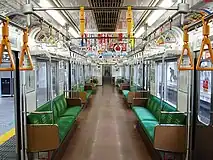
[
  {"x": 8, "y": 149},
  {"x": 7, "y": 122},
  {"x": 6, "y": 114}
]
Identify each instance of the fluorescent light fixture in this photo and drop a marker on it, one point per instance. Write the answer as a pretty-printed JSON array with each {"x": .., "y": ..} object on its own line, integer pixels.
[
  {"x": 73, "y": 32},
  {"x": 139, "y": 32},
  {"x": 54, "y": 14},
  {"x": 155, "y": 15}
]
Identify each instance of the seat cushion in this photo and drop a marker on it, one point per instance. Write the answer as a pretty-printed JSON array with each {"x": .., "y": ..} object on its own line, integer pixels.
[
  {"x": 72, "y": 111},
  {"x": 149, "y": 128},
  {"x": 64, "y": 125},
  {"x": 143, "y": 114},
  {"x": 125, "y": 93}
]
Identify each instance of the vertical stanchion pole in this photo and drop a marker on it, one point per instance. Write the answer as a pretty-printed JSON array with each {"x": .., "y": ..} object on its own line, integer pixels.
[
  {"x": 162, "y": 81},
  {"x": 51, "y": 89},
  {"x": 194, "y": 107},
  {"x": 17, "y": 107}
]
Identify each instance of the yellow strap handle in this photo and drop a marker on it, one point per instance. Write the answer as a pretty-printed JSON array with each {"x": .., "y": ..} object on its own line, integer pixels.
[
  {"x": 25, "y": 49},
  {"x": 82, "y": 21},
  {"x": 206, "y": 41},
  {"x": 189, "y": 54},
  {"x": 6, "y": 43},
  {"x": 129, "y": 20}
]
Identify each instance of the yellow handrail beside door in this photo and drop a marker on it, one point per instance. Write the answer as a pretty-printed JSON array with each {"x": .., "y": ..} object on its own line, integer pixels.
[
  {"x": 6, "y": 43},
  {"x": 25, "y": 49},
  {"x": 206, "y": 41},
  {"x": 189, "y": 54}
]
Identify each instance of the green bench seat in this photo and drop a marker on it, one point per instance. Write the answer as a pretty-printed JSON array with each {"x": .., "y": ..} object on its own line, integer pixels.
[
  {"x": 125, "y": 93},
  {"x": 153, "y": 114},
  {"x": 143, "y": 113},
  {"x": 63, "y": 115},
  {"x": 89, "y": 93}
]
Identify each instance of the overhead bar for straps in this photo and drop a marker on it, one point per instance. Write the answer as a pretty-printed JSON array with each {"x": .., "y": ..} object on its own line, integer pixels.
[
  {"x": 206, "y": 41},
  {"x": 187, "y": 49},
  {"x": 6, "y": 43},
  {"x": 25, "y": 49},
  {"x": 105, "y": 8}
]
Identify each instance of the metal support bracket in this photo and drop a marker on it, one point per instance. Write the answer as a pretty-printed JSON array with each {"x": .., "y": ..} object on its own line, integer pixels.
[
  {"x": 183, "y": 8},
  {"x": 27, "y": 9}
]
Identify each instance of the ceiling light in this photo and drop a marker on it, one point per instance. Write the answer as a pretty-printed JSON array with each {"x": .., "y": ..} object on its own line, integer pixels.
[
  {"x": 73, "y": 32},
  {"x": 155, "y": 15},
  {"x": 139, "y": 32},
  {"x": 54, "y": 14}
]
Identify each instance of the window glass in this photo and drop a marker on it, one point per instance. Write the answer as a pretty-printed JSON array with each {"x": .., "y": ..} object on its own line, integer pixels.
[
  {"x": 54, "y": 79},
  {"x": 171, "y": 82},
  {"x": 41, "y": 91},
  {"x": 61, "y": 77},
  {"x": 145, "y": 76},
  {"x": 159, "y": 79},
  {"x": 205, "y": 90}
]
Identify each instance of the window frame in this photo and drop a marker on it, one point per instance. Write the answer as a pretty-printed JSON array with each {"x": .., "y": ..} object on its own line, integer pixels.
[{"x": 164, "y": 63}]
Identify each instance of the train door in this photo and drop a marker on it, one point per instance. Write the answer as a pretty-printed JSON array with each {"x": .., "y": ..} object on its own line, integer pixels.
[
  {"x": 202, "y": 109},
  {"x": 5, "y": 86}
]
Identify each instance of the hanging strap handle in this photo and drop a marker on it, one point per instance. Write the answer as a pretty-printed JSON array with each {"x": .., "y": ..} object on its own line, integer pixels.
[
  {"x": 25, "y": 49},
  {"x": 206, "y": 41},
  {"x": 189, "y": 54},
  {"x": 6, "y": 43}
]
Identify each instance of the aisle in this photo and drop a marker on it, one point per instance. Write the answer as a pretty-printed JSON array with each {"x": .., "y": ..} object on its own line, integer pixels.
[{"x": 106, "y": 131}]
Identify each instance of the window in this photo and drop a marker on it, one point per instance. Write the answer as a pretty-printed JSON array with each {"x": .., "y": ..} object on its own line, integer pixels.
[
  {"x": 54, "y": 79},
  {"x": 205, "y": 90},
  {"x": 42, "y": 89},
  {"x": 169, "y": 73},
  {"x": 61, "y": 78},
  {"x": 159, "y": 79},
  {"x": 171, "y": 83},
  {"x": 145, "y": 76}
]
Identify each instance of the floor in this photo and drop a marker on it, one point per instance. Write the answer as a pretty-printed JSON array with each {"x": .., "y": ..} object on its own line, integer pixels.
[
  {"x": 106, "y": 131},
  {"x": 7, "y": 124},
  {"x": 6, "y": 114}
]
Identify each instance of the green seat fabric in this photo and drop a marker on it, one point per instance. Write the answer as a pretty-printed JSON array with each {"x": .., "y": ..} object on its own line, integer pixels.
[
  {"x": 149, "y": 128},
  {"x": 72, "y": 111},
  {"x": 125, "y": 93},
  {"x": 143, "y": 114},
  {"x": 64, "y": 125},
  {"x": 169, "y": 108},
  {"x": 60, "y": 105},
  {"x": 154, "y": 106},
  {"x": 89, "y": 93},
  {"x": 173, "y": 118},
  {"x": 43, "y": 118},
  {"x": 44, "y": 107}
]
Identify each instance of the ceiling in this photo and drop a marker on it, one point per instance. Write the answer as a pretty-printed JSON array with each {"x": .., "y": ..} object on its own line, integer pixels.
[{"x": 106, "y": 20}]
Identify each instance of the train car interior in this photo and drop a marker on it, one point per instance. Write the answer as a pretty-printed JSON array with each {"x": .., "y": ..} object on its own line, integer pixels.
[{"x": 106, "y": 80}]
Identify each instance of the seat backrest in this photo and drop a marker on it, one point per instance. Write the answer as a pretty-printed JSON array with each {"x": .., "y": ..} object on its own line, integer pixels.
[
  {"x": 43, "y": 118},
  {"x": 154, "y": 106},
  {"x": 60, "y": 106},
  {"x": 169, "y": 108},
  {"x": 173, "y": 118}
]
